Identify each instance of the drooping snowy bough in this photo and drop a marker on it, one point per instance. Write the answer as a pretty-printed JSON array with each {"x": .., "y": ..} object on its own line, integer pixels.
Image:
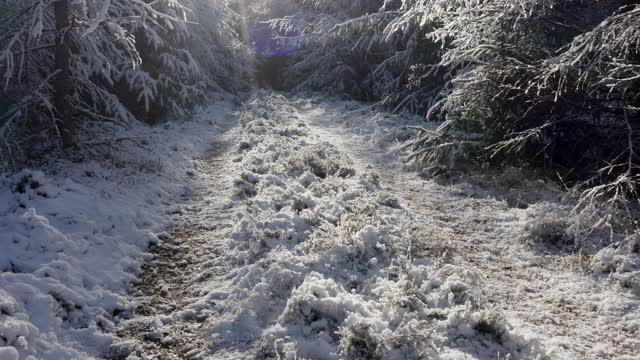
[{"x": 68, "y": 64}]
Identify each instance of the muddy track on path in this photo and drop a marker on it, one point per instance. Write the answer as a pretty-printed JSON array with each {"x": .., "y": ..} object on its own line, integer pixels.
[{"x": 161, "y": 325}]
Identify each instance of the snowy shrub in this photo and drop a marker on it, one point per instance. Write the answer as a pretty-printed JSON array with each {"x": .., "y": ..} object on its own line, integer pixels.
[
  {"x": 622, "y": 260},
  {"x": 596, "y": 225},
  {"x": 548, "y": 223},
  {"x": 322, "y": 161},
  {"x": 490, "y": 323},
  {"x": 360, "y": 341}
]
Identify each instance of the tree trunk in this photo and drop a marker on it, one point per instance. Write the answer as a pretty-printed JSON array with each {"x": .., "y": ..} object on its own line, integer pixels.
[{"x": 62, "y": 85}]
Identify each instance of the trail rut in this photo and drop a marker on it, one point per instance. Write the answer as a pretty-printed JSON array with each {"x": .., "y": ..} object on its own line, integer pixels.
[{"x": 181, "y": 262}]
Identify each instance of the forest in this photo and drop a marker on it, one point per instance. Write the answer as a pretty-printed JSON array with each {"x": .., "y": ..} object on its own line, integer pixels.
[
  {"x": 547, "y": 84},
  {"x": 405, "y": 144}
]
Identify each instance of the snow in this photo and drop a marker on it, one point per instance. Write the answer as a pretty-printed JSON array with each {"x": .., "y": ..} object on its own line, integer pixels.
[
  {"x": 300, "y": 234},
  {"x": 516, "y": 235},
  {"x": 74, "y": 237},
  {"x": 621, "y": 259},
  {"x": 9, "y": 353},
  {"x": 319, "y": 263}
]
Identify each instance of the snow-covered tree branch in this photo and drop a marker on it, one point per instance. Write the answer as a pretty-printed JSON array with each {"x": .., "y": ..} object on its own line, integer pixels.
[{"x": 66, "y": 63}]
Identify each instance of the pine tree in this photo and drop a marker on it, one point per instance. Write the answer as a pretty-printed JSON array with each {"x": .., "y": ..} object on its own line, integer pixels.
[{"x": 68, "y": 65}]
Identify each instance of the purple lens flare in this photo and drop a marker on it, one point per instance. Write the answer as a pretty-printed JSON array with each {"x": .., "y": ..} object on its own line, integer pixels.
[{"x": 268, "y": 42}]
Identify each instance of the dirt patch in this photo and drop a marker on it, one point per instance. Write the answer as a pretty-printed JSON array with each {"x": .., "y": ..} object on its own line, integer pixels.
[{"x": 161, "y": 326}]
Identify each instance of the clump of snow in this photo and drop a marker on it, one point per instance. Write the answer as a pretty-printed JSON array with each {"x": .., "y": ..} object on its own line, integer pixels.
[
  {"x": 75, "y": 235},
  {"x": 552, "y": 226},
  {"x": 621, "y": 260}
]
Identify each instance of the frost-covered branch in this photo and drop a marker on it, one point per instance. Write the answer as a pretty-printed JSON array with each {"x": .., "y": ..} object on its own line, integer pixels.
[{"x": 128, "y": 59}]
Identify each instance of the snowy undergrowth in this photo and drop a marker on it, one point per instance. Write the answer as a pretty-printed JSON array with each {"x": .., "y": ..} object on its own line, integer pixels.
[
  {"x": 323, "y": 262},
  {"x": 520, "y": 233},
  {"x": 74, "y": 236},
  {"x": 549, "y": 217},
  {"x": 555, "y": 227}
]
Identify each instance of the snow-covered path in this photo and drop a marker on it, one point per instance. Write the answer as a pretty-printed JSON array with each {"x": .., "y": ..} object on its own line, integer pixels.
[
  {"x": 306, "y": 238},
  {"x": 541, "y": 291}
]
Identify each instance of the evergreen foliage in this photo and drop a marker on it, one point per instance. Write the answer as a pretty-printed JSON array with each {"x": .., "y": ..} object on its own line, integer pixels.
[{"x": 123, "y": 60}]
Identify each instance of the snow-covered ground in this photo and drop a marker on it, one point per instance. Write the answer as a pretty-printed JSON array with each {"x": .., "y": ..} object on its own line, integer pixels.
[
  {"x": 515, "y": 236},
  {"x": 300, "y": 235},
  {"x": 73, "y": 237}
]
